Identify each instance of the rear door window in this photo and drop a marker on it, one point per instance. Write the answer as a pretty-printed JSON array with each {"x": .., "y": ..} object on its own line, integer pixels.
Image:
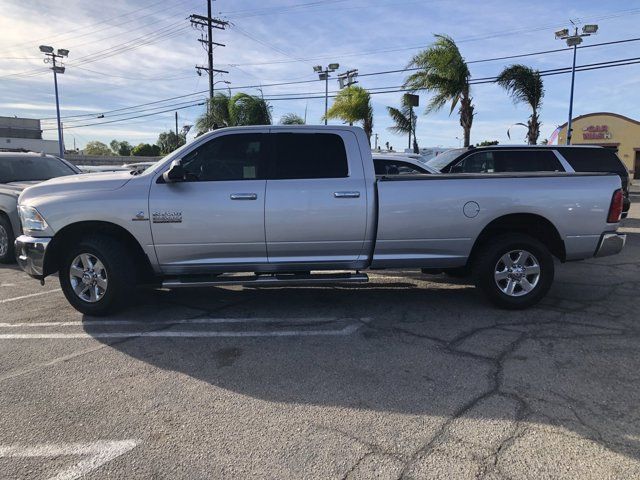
[
  {"x": 527, "y": 161},
  {"x": 307, "y": 156},
  {"x": 593, "y": 160},
  {"x": 499, "y": 161}
]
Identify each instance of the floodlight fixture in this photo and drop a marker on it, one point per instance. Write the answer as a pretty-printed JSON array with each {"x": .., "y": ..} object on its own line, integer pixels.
[
  {"x": 334, "y": 66},
  {"x": 574, "y": 40},
  {"x": 63, "y": 52},
  {"x": 317, "y": 69},
  {"x": 46, "y": 49},
  {"x": 561, "y": 34},
  {"x": 590, "y": 29}
]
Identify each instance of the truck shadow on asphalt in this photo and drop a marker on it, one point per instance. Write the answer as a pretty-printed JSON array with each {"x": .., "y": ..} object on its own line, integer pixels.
[{"x": 572, "y": 363}]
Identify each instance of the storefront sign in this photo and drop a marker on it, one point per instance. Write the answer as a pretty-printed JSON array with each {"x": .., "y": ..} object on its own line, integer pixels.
[{"x": 596, "y": 132}]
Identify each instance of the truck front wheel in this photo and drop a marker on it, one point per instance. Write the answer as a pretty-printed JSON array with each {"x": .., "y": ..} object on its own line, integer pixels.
[
  {"x": 97, "y": 275},
  {"x": 514, "y": 271}
]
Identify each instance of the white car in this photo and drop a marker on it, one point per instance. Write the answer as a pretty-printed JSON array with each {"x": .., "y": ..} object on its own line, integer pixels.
[
  {"x": 390, "y": 163},
  {"x": 101, "y": 168}
]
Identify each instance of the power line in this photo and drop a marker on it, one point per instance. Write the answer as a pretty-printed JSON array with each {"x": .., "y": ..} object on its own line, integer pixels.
[
  {"x": 361, "y": 75},
  {"x": 379, "y": 90},
  {"x": 162, "y": 34},
  {"x": 130, "y": 118}
]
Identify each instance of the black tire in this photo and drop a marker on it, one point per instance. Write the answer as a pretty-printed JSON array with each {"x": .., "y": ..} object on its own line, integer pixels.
[
  {"x": 117, "y": 263},
  {"x": 488, "y": 262},
  {"x": 8, "y": 255}
]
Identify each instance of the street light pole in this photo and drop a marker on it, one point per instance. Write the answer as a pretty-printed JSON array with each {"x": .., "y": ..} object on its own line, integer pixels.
[
  {"x": 326, "y": 97},
  {"x": 573, "y": 81},
  {"x": 50, "y": 57},
  {"x": 573, "y": 41},
  {"x": 55, "y": 84},
  {"x": 323, "y": 74}
]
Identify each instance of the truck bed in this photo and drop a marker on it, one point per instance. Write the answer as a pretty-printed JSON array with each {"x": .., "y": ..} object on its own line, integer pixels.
[{"x": 433, "y": 220}]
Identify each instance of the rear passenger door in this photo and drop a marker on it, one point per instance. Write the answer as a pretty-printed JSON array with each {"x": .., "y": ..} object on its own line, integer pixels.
[{"x": 316, "y": 205}]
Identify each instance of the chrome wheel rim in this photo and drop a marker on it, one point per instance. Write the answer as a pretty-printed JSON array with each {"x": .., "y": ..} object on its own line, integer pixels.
[
  {"x": 88, "y": 278},
  {"x": 517, "y": 273},
  {"x": 4, "y": 241}
]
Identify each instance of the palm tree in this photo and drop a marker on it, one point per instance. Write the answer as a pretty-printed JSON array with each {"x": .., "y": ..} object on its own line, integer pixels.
[
  {"x": 404, "y": 119},
  {"x": 241, "y": 109},
  {"x": 443, "y": 71},
  {"x": 247, "y": 109},
  {"x": 291, "y": 119},
  {"x": 353, "y": 104},
  {"x": 524, "y": 85}
]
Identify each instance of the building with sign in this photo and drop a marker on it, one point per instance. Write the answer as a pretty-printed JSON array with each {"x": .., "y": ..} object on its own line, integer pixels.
[{"x": 608, "y": 130}]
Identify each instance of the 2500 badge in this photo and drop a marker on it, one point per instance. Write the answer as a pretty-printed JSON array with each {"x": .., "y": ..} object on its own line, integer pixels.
[{"x": 167, "y": 217}]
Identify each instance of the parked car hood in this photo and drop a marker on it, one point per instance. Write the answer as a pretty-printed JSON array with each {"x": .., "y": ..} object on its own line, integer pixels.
[
  {"x": 77, "y": 183},
  {"x": 16, "y": 187}
]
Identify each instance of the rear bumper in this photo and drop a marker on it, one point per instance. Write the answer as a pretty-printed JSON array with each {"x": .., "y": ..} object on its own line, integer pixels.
[
  {"x": 30, "y": 253},
  {"x": 610, "y": 244}
]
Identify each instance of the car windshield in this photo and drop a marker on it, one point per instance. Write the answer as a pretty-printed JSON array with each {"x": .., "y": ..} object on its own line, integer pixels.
[
  {"x": 445, "y": 158},
  {"x": 32, "y": 168}
]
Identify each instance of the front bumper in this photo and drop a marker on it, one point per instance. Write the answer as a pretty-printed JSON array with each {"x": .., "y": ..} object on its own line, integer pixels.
[
  {"x": 30, "y": 252},
  {"x": 610, "y": 244}
]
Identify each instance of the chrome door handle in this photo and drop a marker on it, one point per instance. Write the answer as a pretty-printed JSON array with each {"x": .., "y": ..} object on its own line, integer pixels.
[
  {"x": 346, "y": 194},
  {"x": 244, "y": 196}
]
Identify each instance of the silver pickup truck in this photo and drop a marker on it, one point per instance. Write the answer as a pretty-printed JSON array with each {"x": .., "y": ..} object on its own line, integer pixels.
[{"x": 279, "y": 205}]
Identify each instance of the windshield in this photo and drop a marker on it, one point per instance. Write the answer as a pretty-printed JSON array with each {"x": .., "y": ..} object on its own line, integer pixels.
[
  {"x": 445, "y": 158},
  {"x": 29, "y": 169}
]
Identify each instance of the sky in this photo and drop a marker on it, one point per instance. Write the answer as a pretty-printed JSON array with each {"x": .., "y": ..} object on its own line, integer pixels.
[{"x": 127, "y": 53}]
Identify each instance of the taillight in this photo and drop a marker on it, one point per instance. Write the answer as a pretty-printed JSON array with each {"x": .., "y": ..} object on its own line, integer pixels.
[{"x": 615, "y": 210}]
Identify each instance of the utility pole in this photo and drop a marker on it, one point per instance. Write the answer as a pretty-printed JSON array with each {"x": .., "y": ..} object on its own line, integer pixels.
[
  {"x": 573, "y": 41},
  {"x": 177, "y": 134},
  {"x": 346, "y": 79},
  {"x": 376, "y": 144},
  {"x": 50, "y": 57},
  {"x": 323, "y": 74},
  {"x": 208, "y": 22}
]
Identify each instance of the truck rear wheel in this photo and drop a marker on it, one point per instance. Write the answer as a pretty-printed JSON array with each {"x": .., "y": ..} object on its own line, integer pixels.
[
  {"x": 514, "y": 271},
  {"x": 97, "y": 275},
  {"x": 7, "y": 254}
]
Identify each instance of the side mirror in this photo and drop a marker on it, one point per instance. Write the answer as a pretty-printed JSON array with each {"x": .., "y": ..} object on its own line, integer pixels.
[{"x": 175, "y": 172}]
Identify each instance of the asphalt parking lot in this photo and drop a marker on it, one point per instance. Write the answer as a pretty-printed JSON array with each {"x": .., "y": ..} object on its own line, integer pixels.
[{"x": 409, "y": 376}]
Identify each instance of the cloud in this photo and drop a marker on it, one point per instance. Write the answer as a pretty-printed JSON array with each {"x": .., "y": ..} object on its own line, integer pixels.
[{"x": 379, "y": 32}]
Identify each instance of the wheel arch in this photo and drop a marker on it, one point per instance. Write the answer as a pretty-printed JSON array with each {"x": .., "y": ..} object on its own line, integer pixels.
[
  {"x": 75, "y": 232},
  {"x": 530, "y": 224}
]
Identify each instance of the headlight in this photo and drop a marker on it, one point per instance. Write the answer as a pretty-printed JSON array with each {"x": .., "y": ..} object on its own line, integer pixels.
[{"x": 31, "y": 218}]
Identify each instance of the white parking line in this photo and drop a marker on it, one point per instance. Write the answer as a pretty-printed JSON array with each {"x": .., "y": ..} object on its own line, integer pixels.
[
  {"x": 99, "y": 453},
  {"x": 191, "y": 321},
  {"x": 7, "y": 300},
  {"x": 348, "y": 330}
]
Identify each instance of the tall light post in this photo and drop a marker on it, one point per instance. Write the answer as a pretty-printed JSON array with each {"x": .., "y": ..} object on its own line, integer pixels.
[
  {"x": 50, "y": 57},
  {"x": 323, "y": 74},
  {"x": 573, "y": 41}
]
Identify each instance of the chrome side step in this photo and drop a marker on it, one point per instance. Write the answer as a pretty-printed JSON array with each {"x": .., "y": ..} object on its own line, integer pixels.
[{"x": 263, "y": 280}]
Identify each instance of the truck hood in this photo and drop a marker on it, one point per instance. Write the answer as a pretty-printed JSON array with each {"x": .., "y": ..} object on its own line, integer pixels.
[{"x": 77, "y": 183}]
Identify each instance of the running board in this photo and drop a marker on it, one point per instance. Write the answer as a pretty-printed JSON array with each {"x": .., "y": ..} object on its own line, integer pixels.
[{"x": 263, "y": 280}]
